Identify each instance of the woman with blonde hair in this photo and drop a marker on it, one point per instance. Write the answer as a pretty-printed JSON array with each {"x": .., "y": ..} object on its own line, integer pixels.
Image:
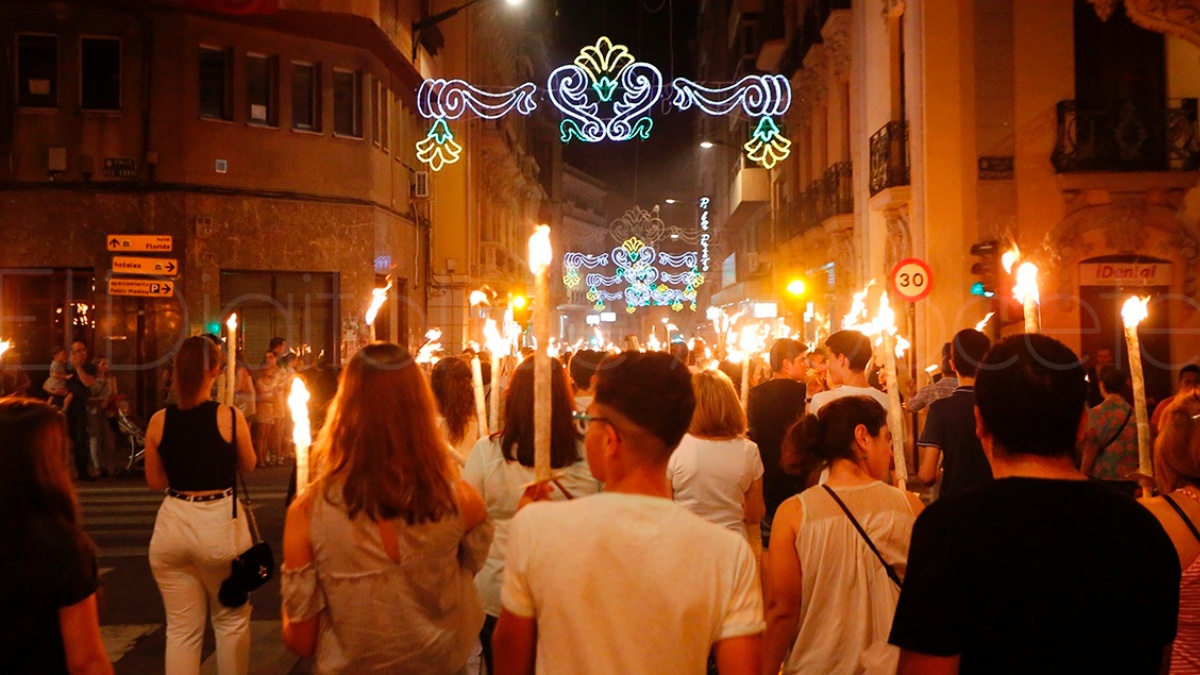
[
  {"x": 48, "y": 589},
  {"x": 194, "y": 449},
  {"x": 716, "y": 472},
  {"x": 380, "y": 551},
  {"x": 1177, "y": 474}
]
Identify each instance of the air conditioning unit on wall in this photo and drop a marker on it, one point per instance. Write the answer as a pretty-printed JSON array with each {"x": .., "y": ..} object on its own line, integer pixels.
[{"x": 421, "y": 184}]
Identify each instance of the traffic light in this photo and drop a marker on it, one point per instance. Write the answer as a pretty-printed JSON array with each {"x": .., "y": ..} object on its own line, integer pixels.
[
  {"x": 987, "y": 268},
  {"x": 520, "y": 309}
]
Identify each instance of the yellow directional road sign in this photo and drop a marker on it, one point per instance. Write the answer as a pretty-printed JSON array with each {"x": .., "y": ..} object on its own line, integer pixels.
[
  {"x": 123, "y": 243},
  {"x": 143, "y": 288},
  {"x": 163, "y": 267}
]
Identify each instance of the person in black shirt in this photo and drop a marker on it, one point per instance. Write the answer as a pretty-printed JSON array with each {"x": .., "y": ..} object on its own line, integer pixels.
[
  {"x": 1040, "y": 570},
  {"x": 771, "y": 408},
  {"x": 49, "y": 581},
  {"x": 80, "y": 387},
  {"x": 950, "y": 427}
]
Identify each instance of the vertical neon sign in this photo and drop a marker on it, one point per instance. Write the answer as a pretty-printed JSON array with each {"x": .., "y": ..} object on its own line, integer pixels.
[{"x": 704, "y": 201}]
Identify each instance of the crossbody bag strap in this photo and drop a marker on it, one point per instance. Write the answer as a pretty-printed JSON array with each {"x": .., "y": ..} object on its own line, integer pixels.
[
  {"x": 891, "y": 571},
  {"x": 1116, "y": 435},
  {"x": 1186, "y": 521}
]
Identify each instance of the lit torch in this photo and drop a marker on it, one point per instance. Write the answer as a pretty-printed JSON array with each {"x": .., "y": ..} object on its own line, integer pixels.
[
  {"x": 1026, "y": 291},
  {"x": 301, "y": 435},
  {"x": 231, "y": 365},
  {"x": 984, "y": 322},
  {"x": 540, "y": 254},
  {"x": 481, "y": 417},
  {"x": 498, "y": 347},
  {"x": 893, "y": 346},
  {"x": 425, "y": 354},
  {"x": 378, "y": 296},
  {"x": 1132, "y": 313}
]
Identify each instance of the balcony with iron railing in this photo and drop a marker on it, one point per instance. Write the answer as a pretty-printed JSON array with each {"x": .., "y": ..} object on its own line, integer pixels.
[
  {"x": 1127, "y": 138},
  {"x": 826, "y": 197},
  {"x": 889, "y": 157}
]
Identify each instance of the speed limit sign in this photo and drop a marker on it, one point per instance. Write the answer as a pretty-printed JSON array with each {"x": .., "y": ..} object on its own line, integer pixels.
[{"x": 912, "y": 279}]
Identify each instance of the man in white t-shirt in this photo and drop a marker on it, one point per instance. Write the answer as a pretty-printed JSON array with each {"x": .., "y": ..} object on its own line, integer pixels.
[
  {"x": 849, "y": 354},
  {"x": 628, "y": 581}
]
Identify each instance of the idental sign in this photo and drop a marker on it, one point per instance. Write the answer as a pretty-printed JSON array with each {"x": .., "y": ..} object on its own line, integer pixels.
[{"x": 1125, "y": 274}]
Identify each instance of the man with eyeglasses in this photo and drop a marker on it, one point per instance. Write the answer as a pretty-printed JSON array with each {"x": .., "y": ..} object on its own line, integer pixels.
[{"x": 590, "y": 585}]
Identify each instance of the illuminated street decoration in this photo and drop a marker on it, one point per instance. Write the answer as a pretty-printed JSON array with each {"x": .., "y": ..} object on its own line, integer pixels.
[
  {"x": 766, "y": 145},
  {"x": 438, "y": 148},
  {"x": 606, "y": 94},
  {"x": 579, "y": 89},
  {"x": 451, "y": 99},
  {"x": 573, "y": 259},
  {"x": 704, "y": 235},
  {"x": 570, "y": 277},
  {"x": 756, "y": 95},
  {"x": 688, "y": 259}
]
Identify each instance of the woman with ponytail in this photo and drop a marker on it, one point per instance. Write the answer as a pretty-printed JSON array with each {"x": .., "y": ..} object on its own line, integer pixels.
[{"x": 831, "y": 593}]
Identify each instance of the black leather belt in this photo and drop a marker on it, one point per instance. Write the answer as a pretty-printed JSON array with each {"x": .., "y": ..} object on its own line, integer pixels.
[{"x": 201, "y": 498}]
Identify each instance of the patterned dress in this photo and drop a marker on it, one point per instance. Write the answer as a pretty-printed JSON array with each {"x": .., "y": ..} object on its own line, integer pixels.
[{"x": 1112, "y": 420}]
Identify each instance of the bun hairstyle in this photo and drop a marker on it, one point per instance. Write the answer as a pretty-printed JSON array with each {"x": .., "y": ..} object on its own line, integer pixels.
[{"x": 815, "y": 441}]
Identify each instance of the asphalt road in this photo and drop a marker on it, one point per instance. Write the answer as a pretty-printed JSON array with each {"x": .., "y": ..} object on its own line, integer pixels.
[{"x": 119, "y": 515}]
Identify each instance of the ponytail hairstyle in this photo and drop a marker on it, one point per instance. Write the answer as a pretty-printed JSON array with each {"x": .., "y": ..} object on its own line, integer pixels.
[{"x": 815, "y": 441}]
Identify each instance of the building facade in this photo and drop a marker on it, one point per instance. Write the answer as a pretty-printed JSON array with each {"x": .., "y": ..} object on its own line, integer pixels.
[
  {"x": 920, "y": 128},
  {"x": 276, "y": 150}
]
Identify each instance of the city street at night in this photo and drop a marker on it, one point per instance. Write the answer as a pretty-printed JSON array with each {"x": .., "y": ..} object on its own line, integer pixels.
[{"x": 650, "y": 337}]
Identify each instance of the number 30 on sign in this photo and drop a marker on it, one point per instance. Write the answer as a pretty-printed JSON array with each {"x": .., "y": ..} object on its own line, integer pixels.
[{"x": 912, "y": 279}]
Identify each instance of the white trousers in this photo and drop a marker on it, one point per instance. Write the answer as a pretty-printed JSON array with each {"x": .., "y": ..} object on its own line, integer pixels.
[{"x": 190, "y": 552}]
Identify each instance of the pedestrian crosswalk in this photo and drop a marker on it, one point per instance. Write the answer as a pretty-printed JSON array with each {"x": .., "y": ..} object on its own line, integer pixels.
[{"x": 120, "y": 517}]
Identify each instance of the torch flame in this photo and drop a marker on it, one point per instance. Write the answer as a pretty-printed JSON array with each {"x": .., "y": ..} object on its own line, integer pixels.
[
  {"x": 4, "y": 345},
  {"x": 858, "y": 308},
  {"x": 231, "y": 324},
  {"x": 540, "y": 251},
  {"x": 378, "y": 296},
  {"x": 1027, "y": 283},
  {"x": 431, "y": 345},
  {"x": 932, "y": 368},
  {"x": 1010, "y": 258},
  {"x": 979, "y": 326},
  {"x": 298, "y": 403},
  {"x": 496, "y": 344},
  {"x": 478, "y": 298},
  {"x": 1134, "y": 310}
]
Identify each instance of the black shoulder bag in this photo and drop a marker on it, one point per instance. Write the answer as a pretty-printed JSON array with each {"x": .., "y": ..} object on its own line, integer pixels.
[
  {"x": 891, "y": 571},
  {"x": 256, "y": 565}
]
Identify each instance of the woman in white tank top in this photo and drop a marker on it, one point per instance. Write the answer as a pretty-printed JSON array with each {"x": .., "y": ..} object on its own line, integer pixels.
[{"x": 830, "y": 599}]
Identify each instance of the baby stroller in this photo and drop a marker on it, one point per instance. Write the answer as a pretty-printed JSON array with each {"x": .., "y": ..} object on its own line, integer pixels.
[{"x": 133, "y": 431}]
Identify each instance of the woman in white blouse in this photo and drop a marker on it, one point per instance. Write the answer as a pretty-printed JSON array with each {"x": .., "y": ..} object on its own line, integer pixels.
[{"x": 716, "y": 472}]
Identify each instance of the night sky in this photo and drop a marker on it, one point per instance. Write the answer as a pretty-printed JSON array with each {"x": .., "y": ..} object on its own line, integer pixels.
[{"x": 646, "y": 171}]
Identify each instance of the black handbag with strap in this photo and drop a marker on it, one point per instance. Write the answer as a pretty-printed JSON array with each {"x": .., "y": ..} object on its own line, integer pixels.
[
  {"x": 891, "y": 571},
  {"x": 256, "y": 565}
]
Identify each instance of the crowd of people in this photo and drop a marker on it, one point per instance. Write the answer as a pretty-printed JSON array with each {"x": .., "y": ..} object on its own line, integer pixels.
[{"x": 683, "y": 530}]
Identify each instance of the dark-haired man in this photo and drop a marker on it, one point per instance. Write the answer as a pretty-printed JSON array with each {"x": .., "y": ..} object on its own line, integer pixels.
[
  {"x": 1189, "y": 381},
  {"x": 590, "y": 585},
  {"x": 583, "y": 367},
  {"x": 849, "y": 353},
  {"x": 1040, "y": 570},
  {"x": 771, "y": 408},
  {"x": 950, "y": 427}
]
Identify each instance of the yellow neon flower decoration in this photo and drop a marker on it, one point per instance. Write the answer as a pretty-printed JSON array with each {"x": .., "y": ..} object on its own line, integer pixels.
[
  {"x": 438, "y": 148},
  {"x": 604, "y": 58},
  {"x": 767, "y": 146}
]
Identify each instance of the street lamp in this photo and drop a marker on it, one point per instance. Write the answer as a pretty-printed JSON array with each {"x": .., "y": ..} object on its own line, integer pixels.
[
  {"x": 430, "y": 21},
  {"x": 707, "y": 145}
]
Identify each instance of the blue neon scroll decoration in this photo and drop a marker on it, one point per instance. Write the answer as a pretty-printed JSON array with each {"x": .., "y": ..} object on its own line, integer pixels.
[
  {"x": 576, "y": 259},
  {"x": 594, "y": 279},
  {"x": 451, "y": 99}
]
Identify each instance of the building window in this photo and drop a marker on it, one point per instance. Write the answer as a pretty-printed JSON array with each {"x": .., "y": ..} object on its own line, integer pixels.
[
  {"x": 214, "y": 84},
  {"x": 347, "y": 106},
  {"x": 306, "y": 99},
  {"x": 262, "y": 78},
  {"x": 37, "y": 71},
  {"x": 100, "y": 73},
  {"x": 381, "y": 115}
]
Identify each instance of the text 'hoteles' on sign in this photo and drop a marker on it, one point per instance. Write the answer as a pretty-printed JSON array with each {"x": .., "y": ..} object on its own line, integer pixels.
[
  {"x": 1125, "y": 274},
  {"x": 159, "y": 267},
  {"x": 130, "y": 243},
  {"x": 141, "y": 288}
]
